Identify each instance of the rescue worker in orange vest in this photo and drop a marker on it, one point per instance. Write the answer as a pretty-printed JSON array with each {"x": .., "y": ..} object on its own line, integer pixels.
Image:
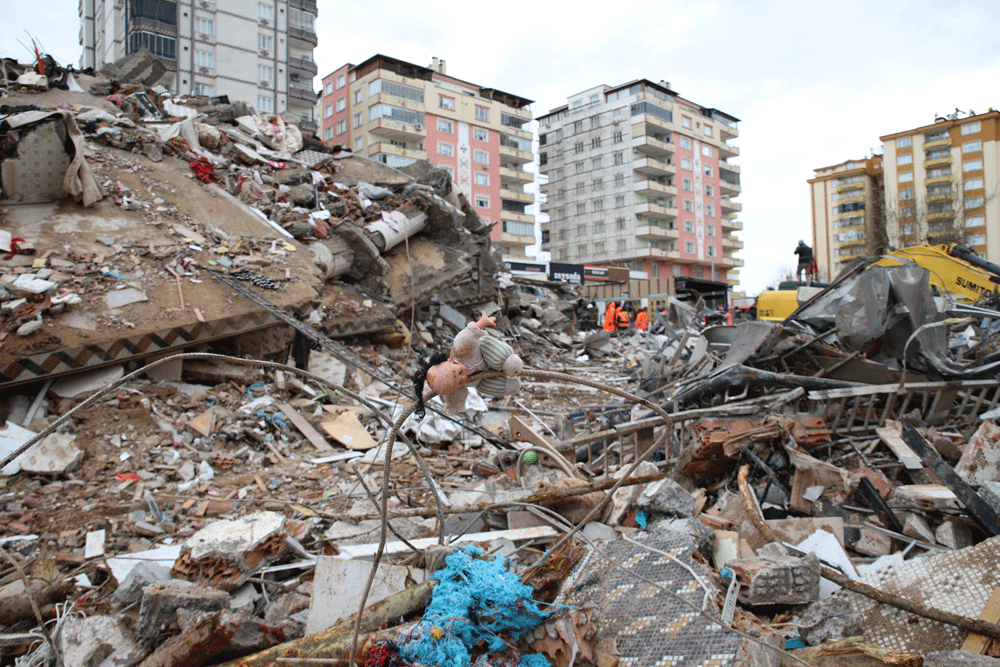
[
  {"x": 642, "y": 320},
  {"x": 609, "y": 317},
  {"x": 622, "y": 317}
]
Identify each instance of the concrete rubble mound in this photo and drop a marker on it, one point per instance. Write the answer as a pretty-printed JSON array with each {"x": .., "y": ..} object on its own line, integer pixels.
[{"x": 217, "y": 339}]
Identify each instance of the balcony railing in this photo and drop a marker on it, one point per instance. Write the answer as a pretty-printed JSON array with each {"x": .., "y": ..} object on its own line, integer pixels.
[
  {"x": 304, "y": 35},
  {"x": 304, "y": 5},
  {"x": 152, "y": 25},
  {"x": 303, "y": 64}
]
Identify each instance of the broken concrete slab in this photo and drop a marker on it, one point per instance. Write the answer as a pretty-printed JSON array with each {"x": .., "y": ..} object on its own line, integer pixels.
[
  {"x": 162, "y": 600},
  {"x": 142, "y": 575},
  {"x": 124, "y": 297},
  {"x": 88, "y": 381},
  {"x": 667, "y": 497},
  {"x": 225, "y": 553},
  {"x": 828, "y": 620},
  {"x": 328, "y": 367},
  {"x": 12, "y": 437},
  {"x": 777, "y": 579},
  {"x": 54, "y": 455},
  {"x": 97, "y": 640},
  {"x": 338, "y": 585},
  {"x": 980, "y": 462}
]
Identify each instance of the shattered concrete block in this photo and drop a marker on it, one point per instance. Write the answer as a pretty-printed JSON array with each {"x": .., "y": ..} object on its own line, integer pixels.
[
  {"x": 597, "y": 531},
  {"x": 249, "y": 634},
  {"x": 828, "y": 620},
  {"x": 980, "y": 462},
  {"x": 667, "y": 497},
  {"x": 94, "y": 640},
  {"x": 55, "y": 455},
  {"x": 777, "y": 579},
  {"x": 924, "y": 496},
  {"x": 142, "y": 575},
  {"x": 958, "y": 658},
  {"x": 873, "y": 543},
  {"x": 917, "y": 527},
  {"x": 953, "y": 535},
  {"x": 160, "y": 602},
  {"x": 141, "y": 66},
  {"x": 701, "y": 536},
  {"x": 990, "y": 492},
  {"x": 225, "y": 553}
]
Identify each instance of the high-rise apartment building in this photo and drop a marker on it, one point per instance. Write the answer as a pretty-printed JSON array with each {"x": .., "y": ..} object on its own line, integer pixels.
[
  {"x": 847, "y": 215},
  {"x": 254, "y": 52},
  {"x": 640, "y": 177},
  {"x": 933, "y": 184},
  {"x": 397, "y": 112}
]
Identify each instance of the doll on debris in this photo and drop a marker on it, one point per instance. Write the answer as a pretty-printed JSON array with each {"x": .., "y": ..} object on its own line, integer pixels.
[{"x": 473, "y": 350}]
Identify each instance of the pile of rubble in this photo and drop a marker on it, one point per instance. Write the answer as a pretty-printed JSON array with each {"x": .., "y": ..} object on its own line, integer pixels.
[{"x": 208, "y": 449}]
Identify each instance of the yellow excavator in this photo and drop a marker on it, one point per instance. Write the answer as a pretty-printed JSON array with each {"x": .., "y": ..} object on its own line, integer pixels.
[{"x": 953, "y": 268}]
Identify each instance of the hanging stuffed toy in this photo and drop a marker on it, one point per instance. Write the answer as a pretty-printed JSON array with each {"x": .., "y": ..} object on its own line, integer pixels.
[{"x": 472, "y": 351}]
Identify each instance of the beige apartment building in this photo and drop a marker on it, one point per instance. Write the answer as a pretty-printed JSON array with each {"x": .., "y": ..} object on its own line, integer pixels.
[{"x": 933, "y": 184}]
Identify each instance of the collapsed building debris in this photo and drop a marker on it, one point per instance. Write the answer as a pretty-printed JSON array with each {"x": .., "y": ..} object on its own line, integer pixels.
[{"x": 209, "y": 327}]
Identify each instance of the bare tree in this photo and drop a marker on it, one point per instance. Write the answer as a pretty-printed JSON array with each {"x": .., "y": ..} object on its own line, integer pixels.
[{"x": 940, "y": 216}]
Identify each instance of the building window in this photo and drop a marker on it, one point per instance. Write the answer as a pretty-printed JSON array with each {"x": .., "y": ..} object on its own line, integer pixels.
[
  {"x": 686, "y": 122},
  {"x": 328, "y": 88},
  {"x": 706, "y": 150},
  {"x": 686, "y": 163},
  {"x": 480, "y": 134},
  {"x": 974, "y": 202},
  {"x": 620, "y": 224},
  {"x": 482, "y": 114},
  {"x": 581, "y": 187},
  {"x": 689, "y": 226},
  {"x": 446, "y": 149},
  {"x": 710, "y": 228},
  {"x": 971, "y": 128},
  {"x": 689, "y": 247},
  {"x": 599, "y": 206},
  {"x": 265, "y": 42},
  {"x": 482, "y": 201},
  {"x": 328, "y": 133},
  {"x": 708, "y": 170},
  {"x": 359, "y": 143},
  {"x": 598, "y": 184},
  {"x": 686, "y": 185},
  {"x": 341, "y": 103},
  {"x": 907, "y": 212},
  {"x": 204, "y": 26},
  {"x": 265, "y": 72},
  {"x": 581, "y": 230},
  {"x": 905, "y": 158},
  {"x": 446, "y": 102},
  {"x": 688, "y": 206},
  {"x": 619, "y": 158},
  {"x": 265, "y": 104},
  {"x": 972, "y": 165},
  {"x": 595, "y": 121},
  {"x": 445, "y": 126},
  {"x": 902, "y": 142},
  {"x": 709, "y": 210},
  {"x": 599, "y": 248},
  {"x": 619, "y": 201},
  {"x": 341, "y": 81},
  {"x": 341, "y": 126},
  {"x": 977, "y": 240},
  {"x": 204, "y": 89},
  {"x": 709, "y": 190},
  {"x": 595, "y": 142},
  {"x": 972, "y": 146},
  {"x": 975, "y": 221},
  {"x": 711, "y": 250},
  {"x": 578, "y": 127},
  {"x": 481, "y": 157},
  {"x": 578, "y": 147},
  {"x": 265, "y": 11},
  {"x": 327, "y": 111},
  {"x": 906, "y": 193},
  {"x": 708, "y": 130},
  {"x": 482, "y": 178},
  {"x": 357, "y": 96},
  {"x": 579, "y": 167},
  {"x": 581, "y": 209},
  {"x": 618, "y": 137},
  {"x": 616, "y": 115},
  {"x": 581, "y": 250},
  {"x": 905, "y": 176},
  {"x": 619, "y": 180},
  {"x": 974, "y": 184},
  {"x": 204, "y": 58},
  {"x": 595, "y": 163},
  {"x": 685, "y": 143},
  {"x": 622, "y": 245},
  {"x": 357, "y": 120}
]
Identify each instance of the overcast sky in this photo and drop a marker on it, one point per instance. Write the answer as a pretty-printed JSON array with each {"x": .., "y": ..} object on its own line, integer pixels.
[{"x": 813, "y": 83}]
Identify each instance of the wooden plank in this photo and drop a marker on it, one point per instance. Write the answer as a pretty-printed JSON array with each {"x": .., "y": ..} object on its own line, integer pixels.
[
  {"x": 991, "y": 612},
  {"x": 890, "y": 435},
  {"x": 979, "y": 509},
  {"x": 312, "y": 435}
]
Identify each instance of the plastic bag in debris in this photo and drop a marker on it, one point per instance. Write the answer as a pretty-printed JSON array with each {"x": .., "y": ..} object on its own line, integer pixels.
[
  {"x": 373, "y": 191},
  {"x": 273, "y": 131},
  {"x": 477, "y": 604}
]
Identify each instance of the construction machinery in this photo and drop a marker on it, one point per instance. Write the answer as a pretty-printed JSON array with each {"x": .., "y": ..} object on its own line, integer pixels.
[{"x": 953, "y": 268}]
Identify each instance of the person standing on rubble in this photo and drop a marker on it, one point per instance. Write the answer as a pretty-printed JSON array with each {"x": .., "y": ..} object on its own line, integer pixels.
[
  {"x": 642, "y": 319},
  {"x": 805, "y": 254},
  {"x": 622, "y": 318},
  {"x": 609, "y": 317}
]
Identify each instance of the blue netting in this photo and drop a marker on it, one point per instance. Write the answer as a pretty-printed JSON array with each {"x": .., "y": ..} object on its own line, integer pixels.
[{"x": 478, "y": 609}]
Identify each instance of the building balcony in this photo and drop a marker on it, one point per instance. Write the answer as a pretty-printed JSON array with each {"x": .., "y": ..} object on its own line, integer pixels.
[
  {"x": 152, "y": 25},
  {"x": 302, "y": 93},
  {"x": 655, "y": 232},
  {"x": 386, "y": 127},
  {"x": 937, "y": 161},
  {"x": 732, "y": 243},
  {"x": 654, "y": 124},
  {"x": 655, "y": 211},
  {"x": 518, "y": 196},
  {"x": 940, "y": 215},
  {"x": 515, "y": 154},
  {"x": 517, "y": 217},
  {"x": 939, "y": 179},
  {"x": 728, "y": 188},
  {"x": 651, "y": 146},
  {"x": 727, "y": 262},
  {"x": 304, "y": 5},
  {"x": 516, "y": 240},
  {"x": 938, "y": 143},
  {"x": 727, "y": 151},
  {"x": 508, "y": 175},
  {"x": 641, "y": 253},
  {"x": 303, "y": 65},
  {"x": 648, "y": 166},
  {"x": 307, "y": 36},
  {"x": 735, "y": 168},
  {"x": 732, "y": 224},
  {"x": 856, "y": 185},
  {"x": 729, "y": 206},
  {"x": 727, "y": 128},
  {"x": 939, "y": 196},
  {"x": 391, "y": 149},
  {"x": 649, "y": 187}
]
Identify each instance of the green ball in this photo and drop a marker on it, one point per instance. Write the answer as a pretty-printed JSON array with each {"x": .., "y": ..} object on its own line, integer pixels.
[{"x": 530, "y": 458}]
